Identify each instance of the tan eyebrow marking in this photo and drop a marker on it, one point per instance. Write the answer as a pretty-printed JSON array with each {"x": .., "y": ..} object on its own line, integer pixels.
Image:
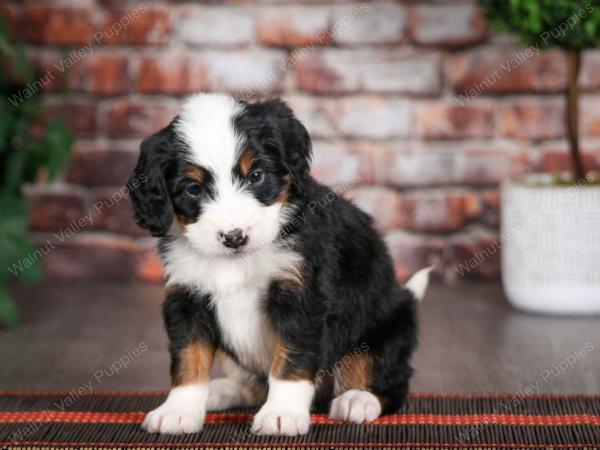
[
  {"x": 246, "y": 162},
  {"x": 195, "y": 173}
]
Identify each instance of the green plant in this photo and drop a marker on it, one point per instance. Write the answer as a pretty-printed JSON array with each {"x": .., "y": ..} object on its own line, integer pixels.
[
  {"x": 568, "y": 24},
  {"x": 32, "y": 147}
]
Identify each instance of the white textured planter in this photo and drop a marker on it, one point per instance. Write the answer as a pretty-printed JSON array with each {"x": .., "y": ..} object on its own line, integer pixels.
[{"x": 551, "y": 246}]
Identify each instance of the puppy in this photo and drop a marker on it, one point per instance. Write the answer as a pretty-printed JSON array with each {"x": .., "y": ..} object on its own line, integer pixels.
[{"x": 286, "y": 280}]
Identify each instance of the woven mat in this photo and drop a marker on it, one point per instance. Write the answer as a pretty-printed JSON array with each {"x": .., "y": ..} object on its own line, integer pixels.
[{"x": 109, "y": 420}]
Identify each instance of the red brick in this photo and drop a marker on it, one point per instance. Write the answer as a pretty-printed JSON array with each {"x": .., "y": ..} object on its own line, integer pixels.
[
  {"x": 105, "y": 74},
  {"x": 437, "y": 166},
  {"x": 559, "y": 160},
  {"x": 589, "y": 77},
  {"x": 51, "y": 209},
  {"x": 438, "y": 210},
  {"x": 79, "y": 115},
  {"x": 168, "y": 74},
  {"x": 590, "y": 116},
  {"x": 112, "y": 211},
  {"x": 138, "y": 25},
  {"x": 318, "y": 114},
  {"x": 336, "y": 163},
  {"x": 46, "y": 24},
  {"x": 412, "y": 252},
  {"x": 476, "y": 254},
  {"x": 533, "y": 120},
  {"x": 490, "y": 71},
  {"x": 336, "y": 71},
  {"x": 86, "y": 256},
  {"x": 135, "y": 118},
  {"x": 148, "y": 265},
  {"x": 293, "y": 26},
  {"x": 373, "y": 117},
  {"x": 215, "y": 26},
  {"x": 102, "y": 167},
  {"x": 384, "y": 205},
  {"x": 447, "y": 25},
  {"x": 97, "y": 72},
  {"x": 247, "y": 73},
  {"x": 446, "y": 121},
  {"x": 368, "y": 23}
]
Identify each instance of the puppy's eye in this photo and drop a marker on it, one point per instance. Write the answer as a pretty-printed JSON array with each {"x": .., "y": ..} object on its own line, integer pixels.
[
  {"x": 256, "y": 176},
  {"x": 193, "y": 189}
]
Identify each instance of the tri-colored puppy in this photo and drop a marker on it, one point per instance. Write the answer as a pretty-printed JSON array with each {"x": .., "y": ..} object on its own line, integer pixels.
[{"x": 298, "y": 298}]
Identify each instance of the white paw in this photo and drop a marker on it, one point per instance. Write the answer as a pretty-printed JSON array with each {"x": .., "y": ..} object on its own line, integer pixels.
[
  {"x": 182, "y": 412},
  {"x": 167, "y": 421},
  {"x": 224, "y": 393},
  {"x": 277, "y": 421},
  {"x": 355, "y": 406}
]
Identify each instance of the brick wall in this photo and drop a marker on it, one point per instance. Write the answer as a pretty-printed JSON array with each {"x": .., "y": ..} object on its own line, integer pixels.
[{"x": 415, "y": 109}]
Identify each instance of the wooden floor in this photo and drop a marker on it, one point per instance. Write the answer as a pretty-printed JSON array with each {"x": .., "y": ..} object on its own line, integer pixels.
[{"x": 110, "y": 337}]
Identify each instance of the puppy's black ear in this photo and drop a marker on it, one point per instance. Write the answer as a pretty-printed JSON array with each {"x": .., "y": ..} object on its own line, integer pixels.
[
  {"x": 297, "y": 145},
  {"x": 283, "y": 130},
  {"x": 152, "y": 206}
]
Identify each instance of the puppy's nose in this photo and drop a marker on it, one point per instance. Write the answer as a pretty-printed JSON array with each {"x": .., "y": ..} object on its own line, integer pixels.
[{"x": 234, "y": 238}]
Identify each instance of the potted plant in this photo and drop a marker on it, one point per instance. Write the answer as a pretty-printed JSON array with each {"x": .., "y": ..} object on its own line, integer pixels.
[
  {"x": 550, "y": 224},
  {"x": 33, "y": 147}
]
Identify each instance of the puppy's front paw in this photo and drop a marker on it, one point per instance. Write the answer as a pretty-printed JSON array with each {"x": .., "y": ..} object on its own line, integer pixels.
[
  {"x": 278, "y": 421},
  {"x": 182, "y": 412},
  {"x": 355, "y": 406},
  {"x": 168, "y": 421}
]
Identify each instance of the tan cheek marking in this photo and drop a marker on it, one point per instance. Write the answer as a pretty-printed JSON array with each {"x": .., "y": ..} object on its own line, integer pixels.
[
  {"x": 354, "y": 373},
  {"x": 280, "y": 369},
  {"x": 195, "y": 173},
  {"x": 183, "y": 221},
  {"x": 285, "y": 192},
  {"x": 246, "y": 162},
  {"x": 195, "y": 362}
]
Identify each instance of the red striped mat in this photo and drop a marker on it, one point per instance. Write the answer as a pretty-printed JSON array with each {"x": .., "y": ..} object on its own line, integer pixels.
[{"x": 109, "y": 420}]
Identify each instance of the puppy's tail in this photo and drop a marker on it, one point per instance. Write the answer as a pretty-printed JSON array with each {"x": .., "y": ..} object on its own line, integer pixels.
[{"x": 417, "y": 284}]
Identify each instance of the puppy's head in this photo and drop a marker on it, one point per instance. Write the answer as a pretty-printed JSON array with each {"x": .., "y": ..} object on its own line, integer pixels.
[{"x": 225, "y": 174}]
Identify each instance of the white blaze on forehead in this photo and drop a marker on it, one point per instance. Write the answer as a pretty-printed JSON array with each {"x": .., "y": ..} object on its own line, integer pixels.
[{"x": 206, "y": 126}]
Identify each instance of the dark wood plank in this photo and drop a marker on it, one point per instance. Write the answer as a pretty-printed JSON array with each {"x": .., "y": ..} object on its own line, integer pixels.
[{"x": 83, "y": 335}]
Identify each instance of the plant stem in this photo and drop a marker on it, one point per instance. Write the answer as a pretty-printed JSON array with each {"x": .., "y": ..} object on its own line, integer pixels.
[{"x": 574, "y": 63}]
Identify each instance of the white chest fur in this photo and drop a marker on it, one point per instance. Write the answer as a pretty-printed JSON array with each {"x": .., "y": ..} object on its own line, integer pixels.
[{"x": 238, "y": 287}]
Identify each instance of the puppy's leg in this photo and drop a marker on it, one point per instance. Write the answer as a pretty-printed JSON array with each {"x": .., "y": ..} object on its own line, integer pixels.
[
  {"x": 353, "y": 400},
  {"x": 192, "y": 343},
  {"x": 291, "y": 390},
  {"x": 238, "y": 389},
  {"x": 376, "y": 378}
]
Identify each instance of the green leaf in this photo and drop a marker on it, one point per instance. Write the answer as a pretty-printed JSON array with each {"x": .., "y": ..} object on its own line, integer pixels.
[
  {"x": 29, "y": 143},
  {"x": 33, "y": 273},
  {"x": 57, "y": 143},
  {"x": 9, "y": 315},
  {"x": 529, "y": 20}
]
